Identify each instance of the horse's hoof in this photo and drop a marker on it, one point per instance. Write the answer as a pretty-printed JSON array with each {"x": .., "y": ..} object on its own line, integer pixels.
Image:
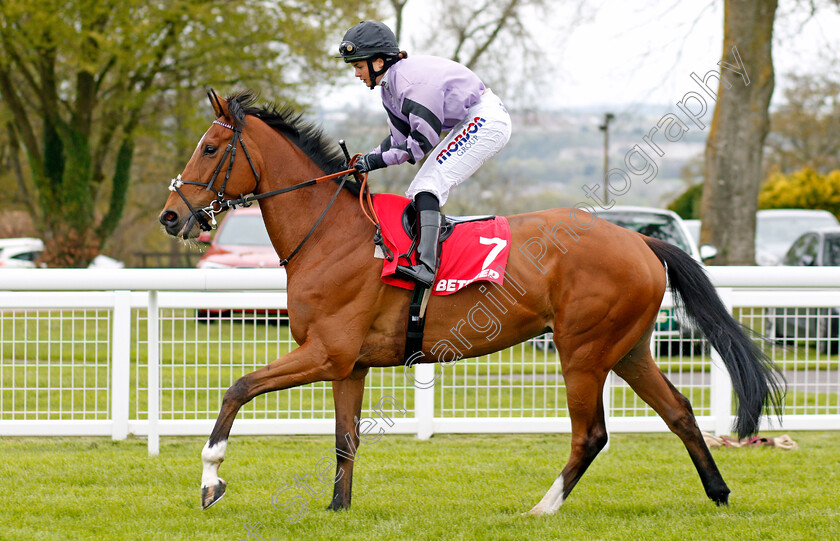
[
  {"x": 210, "y": 495},
  {"x": 720, "y": 497},
  {"x": 536, "y": 511}
]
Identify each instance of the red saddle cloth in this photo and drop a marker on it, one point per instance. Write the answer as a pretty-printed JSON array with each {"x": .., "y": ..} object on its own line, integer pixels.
[{"x": 475, "y": 251}]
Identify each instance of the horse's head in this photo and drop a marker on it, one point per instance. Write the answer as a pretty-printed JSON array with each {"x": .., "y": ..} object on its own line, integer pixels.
[{"x": 213, "y": 177}]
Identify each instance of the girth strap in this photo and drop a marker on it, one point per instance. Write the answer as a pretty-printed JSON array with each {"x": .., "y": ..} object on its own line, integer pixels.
[{"x": 416, "y": 321}]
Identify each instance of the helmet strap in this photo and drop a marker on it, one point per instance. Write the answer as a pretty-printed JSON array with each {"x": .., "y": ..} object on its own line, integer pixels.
[{"x": 374, "y": 75}]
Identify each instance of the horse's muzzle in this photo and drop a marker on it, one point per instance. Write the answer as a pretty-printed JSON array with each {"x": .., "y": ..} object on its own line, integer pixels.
[{"x": 174, "y": 224}]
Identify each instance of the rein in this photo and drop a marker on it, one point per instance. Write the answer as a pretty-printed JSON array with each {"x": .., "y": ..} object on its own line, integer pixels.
[
  {"x": 365, "y": 198},
  {"x": 220, "y": 204}
]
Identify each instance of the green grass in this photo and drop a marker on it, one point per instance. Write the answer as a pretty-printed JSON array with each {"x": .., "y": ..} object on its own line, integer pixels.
[
  {"x": 450, "y": 487},
  {"x": 57, "y": 361},
  {"x": 55, "y": 364}
]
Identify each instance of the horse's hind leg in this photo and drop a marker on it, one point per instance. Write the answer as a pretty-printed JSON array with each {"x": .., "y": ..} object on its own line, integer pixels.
[
  {"x": 584, "y": 386},
  {"x": 648, "y": 381},
  {"x": 347, "y": 394}
]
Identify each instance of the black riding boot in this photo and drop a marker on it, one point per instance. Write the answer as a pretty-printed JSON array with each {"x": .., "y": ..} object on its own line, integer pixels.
[{"x": 427, "y": 249}]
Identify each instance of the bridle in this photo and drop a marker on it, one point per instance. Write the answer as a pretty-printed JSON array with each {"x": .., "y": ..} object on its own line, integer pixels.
[{"x": 221, "y": 204}]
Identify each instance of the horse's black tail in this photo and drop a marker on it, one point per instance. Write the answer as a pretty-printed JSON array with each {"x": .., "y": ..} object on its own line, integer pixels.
[{"x": 756, "y": 380}]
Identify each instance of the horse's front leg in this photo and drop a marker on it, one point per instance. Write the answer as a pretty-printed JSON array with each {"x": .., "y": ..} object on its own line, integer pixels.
[
  {"x": 308, "y": 363},
  {"x": 347, "y": 395}
]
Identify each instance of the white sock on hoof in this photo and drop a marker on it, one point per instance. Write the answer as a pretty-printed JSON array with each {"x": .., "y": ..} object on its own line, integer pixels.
[
  {"x": 211, "y": 457},
  {"x": 552, "y": 500}
]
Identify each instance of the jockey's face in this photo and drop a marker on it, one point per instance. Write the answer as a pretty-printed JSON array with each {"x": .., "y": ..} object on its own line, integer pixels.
[{"x": 363, "y": 73}]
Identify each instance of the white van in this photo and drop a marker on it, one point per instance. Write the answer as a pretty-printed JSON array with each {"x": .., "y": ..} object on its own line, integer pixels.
[{"x": 776, "y": 229}]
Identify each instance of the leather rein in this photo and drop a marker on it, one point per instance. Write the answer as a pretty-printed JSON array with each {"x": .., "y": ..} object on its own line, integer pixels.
[{"x": 221, "y": 204}]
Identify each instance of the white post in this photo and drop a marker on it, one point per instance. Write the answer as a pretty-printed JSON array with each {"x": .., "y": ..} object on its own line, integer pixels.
[
  {"x": 721, "y": 392},
  {"x": 120, "y": 364},
  {"x": 607, "y": 399},
  {"x": 154, "y": 384},
  {"x": 424, "y": 398}
]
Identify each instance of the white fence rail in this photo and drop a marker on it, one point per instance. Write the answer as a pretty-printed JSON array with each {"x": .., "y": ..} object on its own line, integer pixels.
[{"x": 146, "y": 352}]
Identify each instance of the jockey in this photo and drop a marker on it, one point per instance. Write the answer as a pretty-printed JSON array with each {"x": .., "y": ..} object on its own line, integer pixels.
[{"x": 425, "y": 96}]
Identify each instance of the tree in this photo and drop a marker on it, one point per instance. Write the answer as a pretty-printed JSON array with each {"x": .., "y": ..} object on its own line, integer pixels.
[
  {"x": 805, "y": 189},
  {"x": 734, "y": 148},
  {"x": 495, "y": 39},
  {"x": 399, "y": 8},
  {"x": 81, "y": 79},
  {"x": 803, "y": 130},
  {"x": 801, "y": 143},
  {"x": 687, "y": 203},
  {"x": 739, "y": 128}
]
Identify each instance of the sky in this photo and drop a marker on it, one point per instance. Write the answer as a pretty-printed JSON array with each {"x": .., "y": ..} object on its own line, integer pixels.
[
  {"x": 625, "y": 53},
  {"x": 645, "y": 51}
]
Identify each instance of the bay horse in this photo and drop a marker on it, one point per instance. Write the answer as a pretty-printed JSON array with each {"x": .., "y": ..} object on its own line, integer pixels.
[{"x": 596, "y": 286}]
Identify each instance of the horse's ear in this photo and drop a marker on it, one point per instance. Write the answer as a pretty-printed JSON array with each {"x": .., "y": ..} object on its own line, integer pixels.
[{"x": 219, "y": 105}]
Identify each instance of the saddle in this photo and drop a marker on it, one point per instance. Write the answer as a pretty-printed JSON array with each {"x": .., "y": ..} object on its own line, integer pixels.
[
  {"x": 409, "y": 222},
  {"x": 476, "y": 250}
]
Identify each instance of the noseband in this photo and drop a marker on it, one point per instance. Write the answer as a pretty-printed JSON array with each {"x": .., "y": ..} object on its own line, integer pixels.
[{"x": 220, "y": 204}]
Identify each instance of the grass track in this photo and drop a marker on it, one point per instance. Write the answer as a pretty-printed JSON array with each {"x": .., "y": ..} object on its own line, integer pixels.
[{"x": 450, "y": 487}]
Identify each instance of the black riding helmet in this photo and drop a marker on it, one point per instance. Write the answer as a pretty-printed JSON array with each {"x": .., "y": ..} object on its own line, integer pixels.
[{"x": 369, "y": 40}]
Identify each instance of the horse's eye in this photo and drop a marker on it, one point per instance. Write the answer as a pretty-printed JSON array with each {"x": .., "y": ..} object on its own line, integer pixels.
[{"x": 209, "y": 150}]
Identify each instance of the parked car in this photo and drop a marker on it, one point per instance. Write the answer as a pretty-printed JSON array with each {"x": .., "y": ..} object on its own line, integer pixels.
[
  {"x": 24, "y": 252},
  {"x": 664, "y": 225},
  {"x": 241, "y": 242},
  {"x": 671, "y": 331},
  {"x": 660, "y": 224},
  {"x": 20, "y": 253},
  {"x": 776, "y": 229},
  {"x": 818, "y": 248},
  {"x": 693, "y": 227}
]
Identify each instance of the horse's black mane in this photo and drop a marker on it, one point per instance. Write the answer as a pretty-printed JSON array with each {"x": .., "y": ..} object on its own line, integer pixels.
[{"x": 310, "y": 138}]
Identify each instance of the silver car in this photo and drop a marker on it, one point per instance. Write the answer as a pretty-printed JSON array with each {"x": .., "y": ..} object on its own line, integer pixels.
[
  {"x": 776, "y": 229},
  {"x": 663, "y": 225}
]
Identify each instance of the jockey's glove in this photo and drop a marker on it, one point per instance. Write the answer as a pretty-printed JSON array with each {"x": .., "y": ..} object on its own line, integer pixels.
[{"x": 369, "y": 162}]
